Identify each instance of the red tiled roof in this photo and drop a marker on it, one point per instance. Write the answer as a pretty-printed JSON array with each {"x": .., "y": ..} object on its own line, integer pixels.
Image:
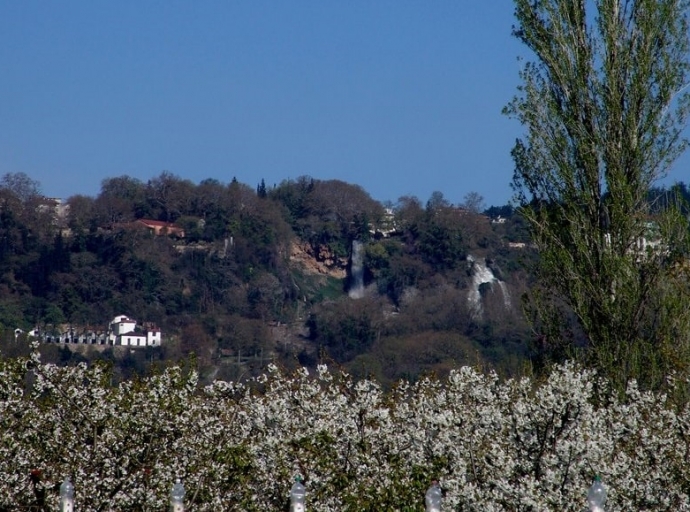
[{"x": 159, "y": 223}]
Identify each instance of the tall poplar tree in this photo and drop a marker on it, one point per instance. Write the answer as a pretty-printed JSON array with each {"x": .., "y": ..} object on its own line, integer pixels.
[{"x": 603, "y": 105}]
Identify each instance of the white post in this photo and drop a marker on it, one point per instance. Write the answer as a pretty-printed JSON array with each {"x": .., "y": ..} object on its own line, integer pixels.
[
  {"x": 297, "y": 496},
  {"x": 66, "y": 496},
  {"x": 177, "y": 497},
  {"x": 433, "y": 496},
  {"x": 596, "y": 496}
]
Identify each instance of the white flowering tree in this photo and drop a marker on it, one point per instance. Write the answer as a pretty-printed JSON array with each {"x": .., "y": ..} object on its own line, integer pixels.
[{"x": 493, "y": 445}]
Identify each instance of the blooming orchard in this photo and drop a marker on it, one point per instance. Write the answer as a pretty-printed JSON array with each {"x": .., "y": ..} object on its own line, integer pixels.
[{"x": 493, "y": 445}]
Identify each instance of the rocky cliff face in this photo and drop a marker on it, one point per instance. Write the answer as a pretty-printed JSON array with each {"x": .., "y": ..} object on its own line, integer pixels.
[{"x": 318, "y": 260}]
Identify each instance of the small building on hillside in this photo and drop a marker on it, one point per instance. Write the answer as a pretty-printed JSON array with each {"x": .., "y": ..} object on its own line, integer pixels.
[
  {"x": 159, "y": 227},
  {"x": 123, "y": 331}
]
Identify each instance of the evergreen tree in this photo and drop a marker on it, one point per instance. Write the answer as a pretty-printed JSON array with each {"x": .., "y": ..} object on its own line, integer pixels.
[{"x": 261, "y": 189}]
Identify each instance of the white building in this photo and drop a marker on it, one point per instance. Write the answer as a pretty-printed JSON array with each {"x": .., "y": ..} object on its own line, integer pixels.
[{"x": 122, "y": 331}]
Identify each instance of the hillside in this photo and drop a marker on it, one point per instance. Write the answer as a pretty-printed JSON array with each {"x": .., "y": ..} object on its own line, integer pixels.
[{"x": 298, "y": 273}]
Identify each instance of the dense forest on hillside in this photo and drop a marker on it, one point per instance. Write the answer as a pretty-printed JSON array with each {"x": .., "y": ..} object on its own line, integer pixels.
[{"x": 266, "y": 273}]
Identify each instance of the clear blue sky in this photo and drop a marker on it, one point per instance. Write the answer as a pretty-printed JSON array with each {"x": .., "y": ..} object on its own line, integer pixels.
[{"x": 400, "y": 97}]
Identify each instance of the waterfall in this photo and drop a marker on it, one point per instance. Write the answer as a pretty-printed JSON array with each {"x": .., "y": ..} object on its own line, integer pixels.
[
  {"x": 357, "y": 270},
  {"x": 506, "y": 294},
  {"x": 482, "y": 274}
]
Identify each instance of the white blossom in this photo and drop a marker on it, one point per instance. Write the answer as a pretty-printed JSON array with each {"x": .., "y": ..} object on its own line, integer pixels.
[{"x": 493, "y": 445}]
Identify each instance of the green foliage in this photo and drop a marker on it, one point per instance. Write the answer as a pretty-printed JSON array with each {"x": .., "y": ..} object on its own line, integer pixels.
[
  {"x": 392, "y": 266},
  {"x": 231, "y": 286},
  {"x": 604, "y": 106},
  {"x": 346, "y": 328},
  {"x": 328, "y": 213},
  {"x": 331, "y": 289},
  {"x": 441, "y": 246}
]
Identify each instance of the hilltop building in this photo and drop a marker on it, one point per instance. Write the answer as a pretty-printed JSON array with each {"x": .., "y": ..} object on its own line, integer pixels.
[{"x": 121, "y": 331}]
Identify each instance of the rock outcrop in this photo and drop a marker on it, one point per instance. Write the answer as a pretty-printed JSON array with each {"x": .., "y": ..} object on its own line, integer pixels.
[{"x": 319, "y": 260}]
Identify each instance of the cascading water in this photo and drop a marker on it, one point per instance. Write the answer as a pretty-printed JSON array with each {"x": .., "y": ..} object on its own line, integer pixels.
[
  {"x": 506, "y": 294},
  {"x": 357, "y": 270},
  {"x": 482, "y": 274}
]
